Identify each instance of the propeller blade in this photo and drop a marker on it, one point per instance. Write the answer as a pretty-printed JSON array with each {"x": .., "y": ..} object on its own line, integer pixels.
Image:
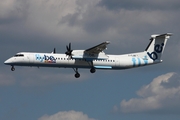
[
  {"x": 69, "y": 46},
  {"x": 54, "y": 50},
  {"x": 69, "y": 51}
]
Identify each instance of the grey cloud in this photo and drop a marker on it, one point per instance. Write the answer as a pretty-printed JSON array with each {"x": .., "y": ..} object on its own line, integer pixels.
[
  {"x": 66, "y": 115},
  {"x": 140, "y": 4},
  {"x": 91, "y": 18},
  {"x": 86, "y": 21},
  {"x": 160, "y": 96},
  {"x": 173, "y": 82},
  {"x": 13, "y": 11},
  {"x": 93, "y": 21}
]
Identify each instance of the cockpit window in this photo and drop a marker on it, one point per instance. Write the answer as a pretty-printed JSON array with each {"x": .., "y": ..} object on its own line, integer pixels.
[{"x": 19, "y": 55}]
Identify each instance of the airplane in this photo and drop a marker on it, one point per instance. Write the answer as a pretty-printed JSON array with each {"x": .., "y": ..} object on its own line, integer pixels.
[{"x": 93, "y": 58}]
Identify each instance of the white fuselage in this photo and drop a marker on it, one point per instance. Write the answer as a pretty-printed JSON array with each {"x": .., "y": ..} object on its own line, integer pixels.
[{"x": 62, "y": 60}]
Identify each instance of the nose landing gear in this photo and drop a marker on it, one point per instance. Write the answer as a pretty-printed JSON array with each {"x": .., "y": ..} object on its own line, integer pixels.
[{"x": 12, "y": 68}]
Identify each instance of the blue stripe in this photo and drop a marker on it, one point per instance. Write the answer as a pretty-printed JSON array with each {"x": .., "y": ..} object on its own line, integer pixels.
[
  {"x": 103, "y": 67},
  {"x": 88, "y": 58}
]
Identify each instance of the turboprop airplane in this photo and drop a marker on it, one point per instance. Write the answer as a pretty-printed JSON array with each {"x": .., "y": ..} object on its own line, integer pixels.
[{"x": 93, "y": 58}]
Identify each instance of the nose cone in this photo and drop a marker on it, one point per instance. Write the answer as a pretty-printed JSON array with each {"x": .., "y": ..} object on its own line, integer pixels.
[{"x": 8, "y": 62}]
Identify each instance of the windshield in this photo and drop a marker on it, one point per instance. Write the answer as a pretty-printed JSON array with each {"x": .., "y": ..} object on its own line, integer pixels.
[{"x": 19, "y": 55}]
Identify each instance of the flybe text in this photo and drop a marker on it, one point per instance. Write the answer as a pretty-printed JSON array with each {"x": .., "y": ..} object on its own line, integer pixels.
[{"x": 45, "y": 58}]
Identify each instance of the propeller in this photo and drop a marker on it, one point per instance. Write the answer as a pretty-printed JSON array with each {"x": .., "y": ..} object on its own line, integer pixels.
[{"x": 69, "y": 51}]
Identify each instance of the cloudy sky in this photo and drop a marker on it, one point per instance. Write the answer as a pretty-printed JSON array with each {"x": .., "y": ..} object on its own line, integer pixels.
[{"x": 29, "y": 93}]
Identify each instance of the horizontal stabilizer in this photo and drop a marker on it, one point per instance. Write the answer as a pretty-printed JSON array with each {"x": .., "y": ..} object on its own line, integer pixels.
[{"x": 162, "y": 35}]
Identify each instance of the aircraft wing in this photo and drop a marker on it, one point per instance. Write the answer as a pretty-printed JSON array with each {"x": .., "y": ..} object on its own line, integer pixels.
[{"x": 98, "y": 48}]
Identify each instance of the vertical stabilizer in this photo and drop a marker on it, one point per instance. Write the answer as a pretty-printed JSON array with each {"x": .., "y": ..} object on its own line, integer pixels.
[{"x": 156, "y": 46}]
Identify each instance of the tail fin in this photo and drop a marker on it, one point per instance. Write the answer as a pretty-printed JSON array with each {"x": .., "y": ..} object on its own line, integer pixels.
[{"x": 156, "y": 46}]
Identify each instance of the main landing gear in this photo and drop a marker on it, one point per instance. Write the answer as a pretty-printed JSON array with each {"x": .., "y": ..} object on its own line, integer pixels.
[
  {"x": 77, "y": 75},
  {"x": 12, "y": 68},
  {"x": 92, "y": 70}
]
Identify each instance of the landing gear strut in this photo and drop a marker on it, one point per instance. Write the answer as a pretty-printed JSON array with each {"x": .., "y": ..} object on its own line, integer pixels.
[
  {"x": 77, "y": 75},
  {"x": 12, "y": 68},
  {"x": 92, "y": 70}
]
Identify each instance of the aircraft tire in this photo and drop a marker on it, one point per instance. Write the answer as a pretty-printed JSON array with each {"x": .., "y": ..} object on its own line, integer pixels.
[
  {"x": 77, "y": 75},
  {"x": 92, "y": 70},
  {"x": 12, "y": 68}
]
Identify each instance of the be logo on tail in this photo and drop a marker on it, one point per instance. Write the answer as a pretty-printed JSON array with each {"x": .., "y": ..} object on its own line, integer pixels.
[{"x": 157, "y": 49}]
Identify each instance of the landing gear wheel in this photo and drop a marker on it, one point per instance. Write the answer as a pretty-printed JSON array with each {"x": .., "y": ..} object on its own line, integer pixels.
[
  {"x": 92, "y": 70},
  {"x": 77, "y": 75},
  {"x": 12, "y": 68}
]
